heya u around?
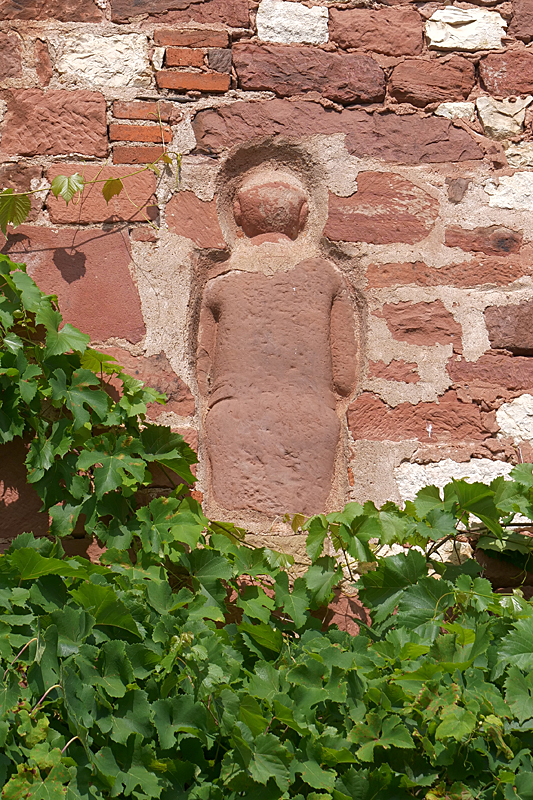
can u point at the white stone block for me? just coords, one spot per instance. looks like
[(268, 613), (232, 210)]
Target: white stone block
[(516, 418), (286, 22), (470, 29), (117, 60), (520, 155), (456, 110), (410, 478), (512, 191), (502, 119)]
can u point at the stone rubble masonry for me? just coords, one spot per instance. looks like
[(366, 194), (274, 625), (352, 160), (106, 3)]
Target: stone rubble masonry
[(135, 203), (510, 327), (423, 82), (423, 324), (188, 216), (146, 154), (288, 70), (119, 132), (397, 370), (193, 81), (478, 272), (471, 29), (62, 10), (509, 73), (234, 13), (495, 240), (385, 209), (54, 123), (521, 26), (391, 31), (148, 110), (189, 37)]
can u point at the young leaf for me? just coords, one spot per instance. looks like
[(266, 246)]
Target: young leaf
[(112, 187), (14, 209), (67, 186)]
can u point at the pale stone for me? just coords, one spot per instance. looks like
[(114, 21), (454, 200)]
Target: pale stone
[(410, 478), (158, 56), (520, 155), (286, 22), (516, 418), (502, 118), (455, 28), (512, 191), (456, 110), (92, 60)]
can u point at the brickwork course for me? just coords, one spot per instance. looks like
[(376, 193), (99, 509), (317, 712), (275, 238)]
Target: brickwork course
[(407, 130)]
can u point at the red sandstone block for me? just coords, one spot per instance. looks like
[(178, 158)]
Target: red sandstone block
[(508, 73), (151, 111), (19, 501), (422, 82), (193, 81), (189, 37), (478, 272), (399, 370), (234, 13), (92, 206), (510, 327), (136, 155), (19, 176), (422, 324), (197, 220), (521, 25), (391, 31), (495, 374), (494, 240), (63, 10), (43, 65), (184, 57), (118, 132), (10, 65)]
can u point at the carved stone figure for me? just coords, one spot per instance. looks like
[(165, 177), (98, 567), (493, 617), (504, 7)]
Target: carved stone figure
[(276, 352)]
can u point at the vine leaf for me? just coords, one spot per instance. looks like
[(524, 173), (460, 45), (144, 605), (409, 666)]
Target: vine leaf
[(14, 209), (67, 186), (112, 187)]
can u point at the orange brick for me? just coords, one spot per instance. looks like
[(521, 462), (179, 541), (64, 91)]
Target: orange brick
[(136, 155), (193, 81), (139, 109), (191, 38), (138, 133), (184, 57)]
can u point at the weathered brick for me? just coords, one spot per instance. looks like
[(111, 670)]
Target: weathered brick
[(19, 177), (287, 70), (43, 65), (495, 374), (93, 207), (89, 272), (193, 81), (391, 31), (422, 82), (149, 110), (220, 60), (494, 240), (64, 10), (184, 57), (136, 155), (19, 502), (197, 220), (234, 13), (508, 73), (511, 327), (119, 132), (54, 123), (422, 324), (386, 208), (521, 26), (398, 370), (478, 272), (188, 37), (10, 64)]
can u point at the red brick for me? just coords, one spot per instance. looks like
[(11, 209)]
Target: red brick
[(422, 324), (193, 81), (19, 502), (10, 65), (391, 31), (521, 26), (449, 420), (478, 272), (494, 240), (385, 209), (93, 208), (188, 37), (63, 10), (197, 220), (151, 111), (422, 82), (43, 65), (508, 73), (510, 327), (54, 123), (495, 374), (119, 132), (403, 139), (19, 176), (399, 370), (136, 155), (89, 272), (184, 57), (144, 234), (288, 70), (234, 13)]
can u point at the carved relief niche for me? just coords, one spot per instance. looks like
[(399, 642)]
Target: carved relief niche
[(277, 341)]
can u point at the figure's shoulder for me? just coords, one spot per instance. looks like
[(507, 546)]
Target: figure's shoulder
[(322, 269)]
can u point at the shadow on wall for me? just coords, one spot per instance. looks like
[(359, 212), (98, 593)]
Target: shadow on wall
[(19, 502)]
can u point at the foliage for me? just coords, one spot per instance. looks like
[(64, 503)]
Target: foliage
[(190, 665)]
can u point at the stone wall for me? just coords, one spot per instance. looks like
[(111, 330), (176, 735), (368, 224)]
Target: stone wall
[(404, 129)]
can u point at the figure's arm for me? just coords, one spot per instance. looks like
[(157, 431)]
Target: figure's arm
[(206, 343), (343, 343)]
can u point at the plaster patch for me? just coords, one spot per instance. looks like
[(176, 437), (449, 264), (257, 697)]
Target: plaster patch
[(502, 118), (516, 418), (470, 29), (520, 155), (456, 110), (93, 60), (340, 167), (512, 191), (287, 22), (410, 478)]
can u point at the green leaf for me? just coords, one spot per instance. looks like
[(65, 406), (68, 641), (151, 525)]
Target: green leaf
[(114, 461), (263, 635), (112, 187), (519, 693), (99, 362), (31, 565), (313, 774), (383, 587), (14, 209), (270, 760), (67, 339), (517, 646), (320, 579), (102, 603), (250, 713), (67, 186), (294, 603), (456, 723), (317, 528)]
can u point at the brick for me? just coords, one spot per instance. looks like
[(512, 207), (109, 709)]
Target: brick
[(288, 70), (511, 327), (447, 421), (478, 272), (188, 216), (391, 31), (151, 111), (136, 155), (402, 139), (423, 324), (398, 370), (220, 60), (234, 13), (494, 240), (509, 73), (496, 374), (184, 57), (386, 208), (119, 132), (422, 82), (10, 64), (63, 10), (521, 26), (43, 65), (19, 177), (193, 81), (19, 502), (54, 123), (189, 37), (93, 208)]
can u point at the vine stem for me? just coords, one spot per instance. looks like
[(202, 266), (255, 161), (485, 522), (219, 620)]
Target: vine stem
[(55, 686), (69, 743), (35, 638)]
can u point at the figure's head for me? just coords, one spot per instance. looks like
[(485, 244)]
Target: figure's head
[(272, 207)]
